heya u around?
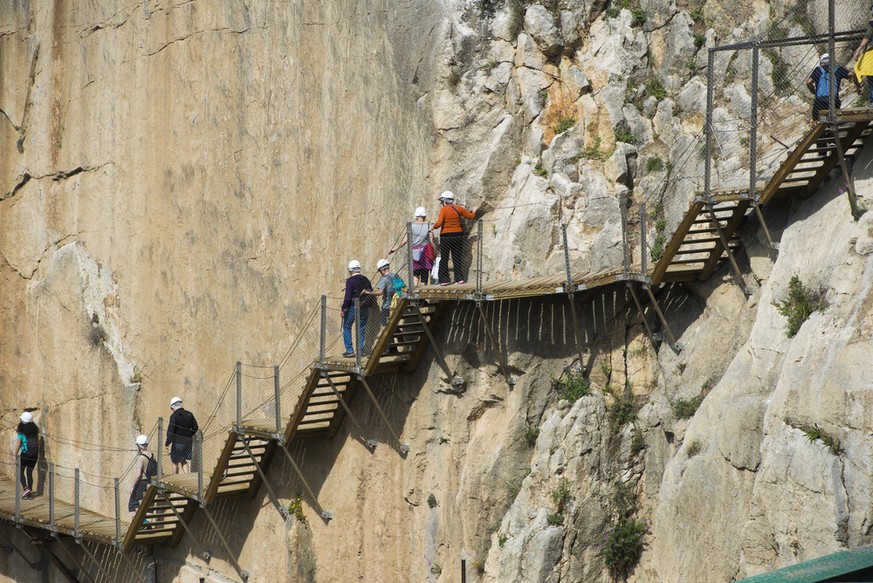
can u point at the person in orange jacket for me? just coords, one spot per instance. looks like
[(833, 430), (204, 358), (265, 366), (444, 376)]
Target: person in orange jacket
[(452, 237)]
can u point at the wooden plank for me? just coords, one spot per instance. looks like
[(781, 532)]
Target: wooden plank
[(800, 149), (675, 242), (729, 231)]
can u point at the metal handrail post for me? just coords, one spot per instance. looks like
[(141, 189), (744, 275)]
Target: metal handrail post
[(644, 254), (625, 243), (278, 403), (753, 131), (17, 488), (480, 234), (571, 296), (159, 449), (321, 346), (832, 79), (51, 492), (76, 534), (238, 395), (411, 281), (117, 515), (198, 444), (357, 344), (707, 175)]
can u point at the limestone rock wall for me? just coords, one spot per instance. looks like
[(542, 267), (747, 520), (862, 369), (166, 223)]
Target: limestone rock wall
[(180, 182)]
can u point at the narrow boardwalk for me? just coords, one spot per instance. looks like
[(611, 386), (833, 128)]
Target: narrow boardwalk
[(701, 243)]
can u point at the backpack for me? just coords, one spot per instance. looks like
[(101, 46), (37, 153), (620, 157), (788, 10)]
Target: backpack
[(822, 90), (151, 467), (398, 286)]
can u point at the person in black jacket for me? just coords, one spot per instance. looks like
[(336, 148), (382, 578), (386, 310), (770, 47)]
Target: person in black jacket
[(180, 433), (355, 284), (28, 450)]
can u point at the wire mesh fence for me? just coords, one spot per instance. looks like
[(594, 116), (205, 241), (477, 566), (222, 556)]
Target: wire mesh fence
[(761, 101)]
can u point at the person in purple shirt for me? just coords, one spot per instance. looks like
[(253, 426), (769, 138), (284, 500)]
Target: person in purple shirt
[(355, 284)]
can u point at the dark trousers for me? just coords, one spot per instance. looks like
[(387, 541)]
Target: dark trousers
[(26, 477), (452, 244)]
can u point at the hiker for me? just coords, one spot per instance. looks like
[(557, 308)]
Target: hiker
[(28, 452), (452, 237), (180, 434), (386, 288), (423, 248), (355, 284), (144, 468), (865, 66), (819, 86)]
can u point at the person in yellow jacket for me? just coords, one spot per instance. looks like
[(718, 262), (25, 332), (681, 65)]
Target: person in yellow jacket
[(863, 58)]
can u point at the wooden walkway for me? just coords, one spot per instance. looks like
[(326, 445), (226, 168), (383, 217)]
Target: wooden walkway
[(698, 247)]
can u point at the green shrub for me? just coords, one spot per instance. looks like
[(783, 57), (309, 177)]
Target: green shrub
[(686, 408), (622, 412), (699, 40), (531, 434), (802, 301), (657, 247), (640, 17), (816, 433), (697, 14), (654, 164), (502, 537), (561, 495), (613, 12), (594, 152), (555, 519), (693, 448), (638, 443), (623, 133), (295, 509), (624, 546), (656, 89), (572, 386), (564, 124), (540, 171)]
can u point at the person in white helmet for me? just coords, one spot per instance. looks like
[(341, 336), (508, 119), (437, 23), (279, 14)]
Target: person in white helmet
[(452, 237), (356, 283), (180, 435), (386, 288), (424, 249), (144, 468), (28, 452), (819, 85)]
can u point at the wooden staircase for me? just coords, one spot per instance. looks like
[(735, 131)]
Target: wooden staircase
[(318, 413), (696, 249)]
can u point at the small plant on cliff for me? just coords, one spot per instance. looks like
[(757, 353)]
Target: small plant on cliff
[(436, 569), (561, 495), (802, 301), (571, 386), (502, 537), (531, 434), (295, 509), (623, 133), (555, 519), (539, 170), (564, 124), (816, 433), (624, 546), (593, 152), (640, 17), (623, 411), (654, 164), (693, 448), (638, 443), (686, 408)]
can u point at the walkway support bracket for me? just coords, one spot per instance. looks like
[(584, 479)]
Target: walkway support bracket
[(403, 447), (282, 510), (671, 340), (244, 575), (639, 305), (456, 381), (370, 443), (501, 358), (325, 515), (184, 524), (724, 243)]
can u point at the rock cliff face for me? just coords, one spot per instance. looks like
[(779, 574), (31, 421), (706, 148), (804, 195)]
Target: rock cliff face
[(180, 182)]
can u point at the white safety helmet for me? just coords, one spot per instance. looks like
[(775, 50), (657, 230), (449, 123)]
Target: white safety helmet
[(382, 263), (175, 401), (354, 265), (26, 417), (142, 440), (420, 212), (447, 195), (825, 59)]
